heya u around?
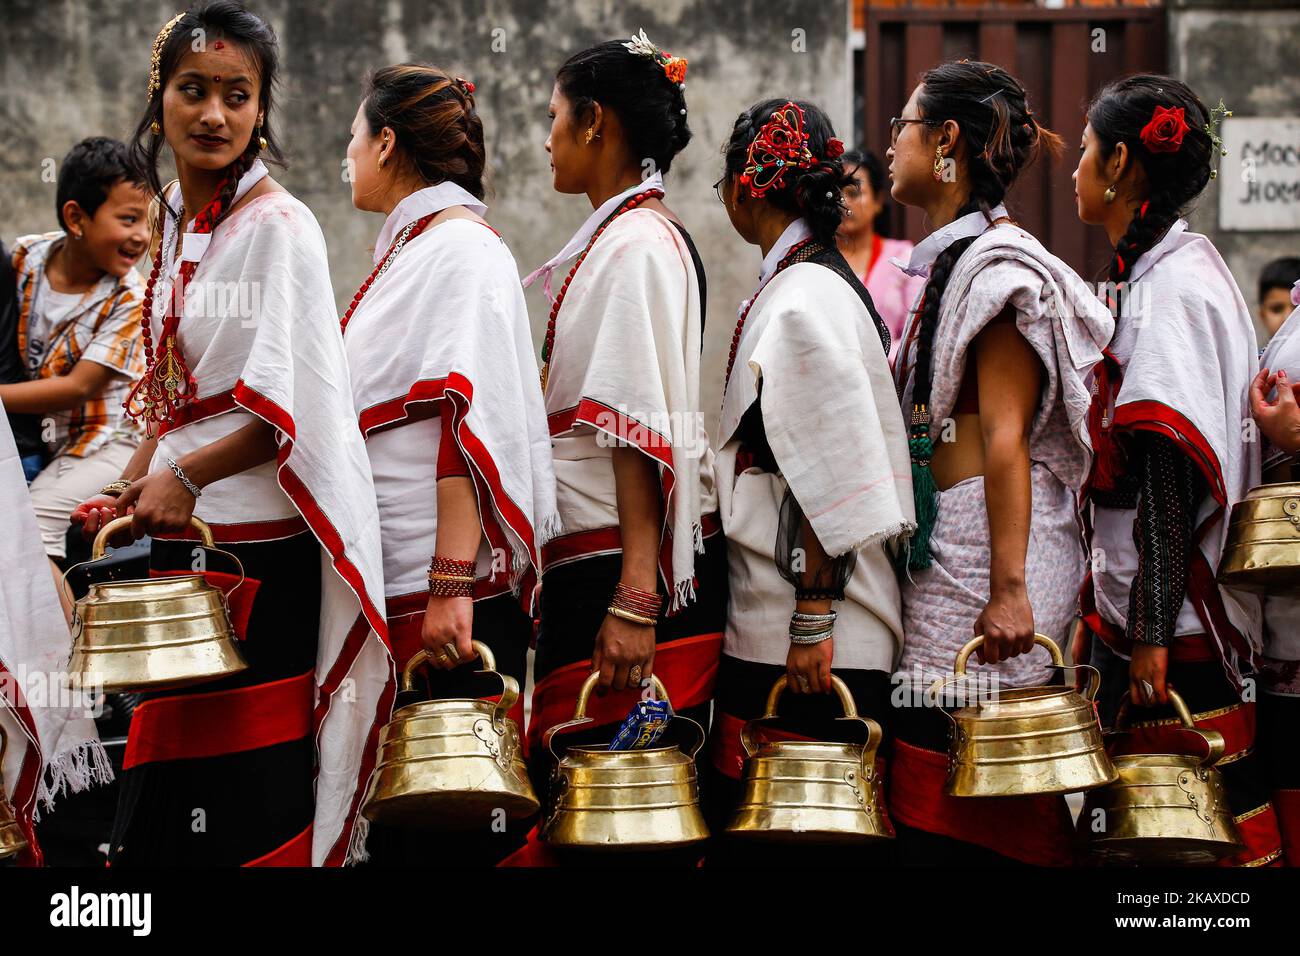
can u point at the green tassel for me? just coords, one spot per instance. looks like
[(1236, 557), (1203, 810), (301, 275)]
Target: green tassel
[(926, 496)]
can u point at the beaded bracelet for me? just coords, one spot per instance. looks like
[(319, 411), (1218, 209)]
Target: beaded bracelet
[(449, 577)]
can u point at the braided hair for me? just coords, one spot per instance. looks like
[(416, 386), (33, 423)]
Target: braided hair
[(1002, 138), (1118, 114), (650, 107), (815, 194), (439, 131), (230, 21)]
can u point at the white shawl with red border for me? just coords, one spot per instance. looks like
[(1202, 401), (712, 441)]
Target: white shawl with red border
[(284, 362), (1185, 346), (448, 319), (51, 744), (626, 364)]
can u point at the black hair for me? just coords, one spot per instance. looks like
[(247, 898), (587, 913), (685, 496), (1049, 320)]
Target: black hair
[(230, 21), (816, 194), (438, 129), (1279, 274), (869, 163), (1118, 114), (650, 107), (1002, 137), (89, 171)]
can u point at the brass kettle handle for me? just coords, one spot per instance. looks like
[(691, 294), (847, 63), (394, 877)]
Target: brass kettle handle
[(509, 686), (1214, 742), (1058, 660), (580, 713), (205, 537), (774, 696)]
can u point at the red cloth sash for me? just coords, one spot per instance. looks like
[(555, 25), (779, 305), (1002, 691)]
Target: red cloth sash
[(1035, 830), (211, 724)]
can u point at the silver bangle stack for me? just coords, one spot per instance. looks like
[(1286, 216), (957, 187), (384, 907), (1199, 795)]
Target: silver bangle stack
[(190, 486), (811, 628)]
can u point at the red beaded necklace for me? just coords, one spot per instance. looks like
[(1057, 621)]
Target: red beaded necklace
[(409, 232), (168, 385), (740, 323), (549, 344)]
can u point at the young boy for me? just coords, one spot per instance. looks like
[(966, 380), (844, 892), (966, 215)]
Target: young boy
[(79, 310), (1275, 282)]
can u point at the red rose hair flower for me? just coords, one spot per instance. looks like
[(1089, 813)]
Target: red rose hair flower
[(1164, 133)]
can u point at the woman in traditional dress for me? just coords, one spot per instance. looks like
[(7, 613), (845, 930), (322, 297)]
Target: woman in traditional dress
[(1171, 455), (992, 372), (1273, 404), (445, 386), (866, 248), (251, 429), (813, 474), (635, 585)]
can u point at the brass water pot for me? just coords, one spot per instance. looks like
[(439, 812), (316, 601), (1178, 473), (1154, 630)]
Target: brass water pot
[(1262, 553), (624, 800), (155, 633), (450, 764), (812, 791), (1164, 808), (1027, 740), (12, 840)]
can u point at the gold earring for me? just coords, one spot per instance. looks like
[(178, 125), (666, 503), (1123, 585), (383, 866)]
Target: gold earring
[(589, 135), (381, 162), (261, 140), (155, 128), (1109, 194), (938, 162)]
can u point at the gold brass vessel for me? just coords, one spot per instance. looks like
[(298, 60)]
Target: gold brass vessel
[(154, 633), (624, 800), (12, 841), (1262, 553), (450, 764), (1165, 808), (1027, 740), (812, 791)]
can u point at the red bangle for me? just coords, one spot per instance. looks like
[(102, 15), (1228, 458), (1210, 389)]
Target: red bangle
[(636, 601)]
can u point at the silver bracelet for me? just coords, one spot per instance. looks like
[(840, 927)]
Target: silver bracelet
[(190, 486), (814, 638)]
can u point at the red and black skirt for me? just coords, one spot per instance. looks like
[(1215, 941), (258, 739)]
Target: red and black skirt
[(223, 774)]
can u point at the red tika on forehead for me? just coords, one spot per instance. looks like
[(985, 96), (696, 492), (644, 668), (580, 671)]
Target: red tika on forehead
[(219, 45)]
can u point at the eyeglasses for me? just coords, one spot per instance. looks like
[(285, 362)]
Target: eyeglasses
[(717, 188), (896, 126)]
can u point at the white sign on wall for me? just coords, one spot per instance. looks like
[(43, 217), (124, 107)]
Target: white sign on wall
[(1259, 179)]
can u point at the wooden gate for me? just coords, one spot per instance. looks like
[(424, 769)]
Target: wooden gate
[(1060, 57)]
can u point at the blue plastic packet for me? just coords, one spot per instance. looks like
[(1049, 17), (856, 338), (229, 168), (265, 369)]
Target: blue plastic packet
[(643, 726)]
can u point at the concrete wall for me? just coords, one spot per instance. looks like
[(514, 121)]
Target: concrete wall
[(1249, 54), (72, 68)]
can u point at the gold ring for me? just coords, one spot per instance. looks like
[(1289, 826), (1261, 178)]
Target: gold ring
[(450, 651), (634, 674)]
